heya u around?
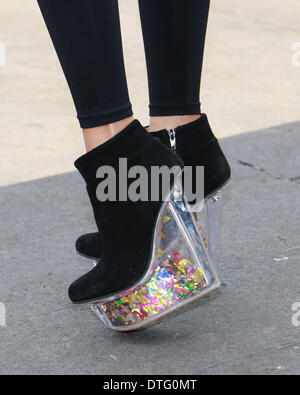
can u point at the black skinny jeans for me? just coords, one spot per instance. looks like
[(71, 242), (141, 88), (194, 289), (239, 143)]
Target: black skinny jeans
[(87, 38)]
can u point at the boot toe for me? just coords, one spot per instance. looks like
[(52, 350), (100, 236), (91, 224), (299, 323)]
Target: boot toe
[(82, 289), (91, 286), (75, 292)]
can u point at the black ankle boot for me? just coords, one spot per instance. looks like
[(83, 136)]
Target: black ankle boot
[(196, 144), (126, 227)]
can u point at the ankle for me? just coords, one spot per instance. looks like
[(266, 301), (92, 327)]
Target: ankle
[(170, 122), (93, 137)]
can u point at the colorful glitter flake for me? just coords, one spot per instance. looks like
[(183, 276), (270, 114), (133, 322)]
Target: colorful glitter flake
[(173, 277)]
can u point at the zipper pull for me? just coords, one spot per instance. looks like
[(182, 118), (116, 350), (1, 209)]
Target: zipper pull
[(172, 136)]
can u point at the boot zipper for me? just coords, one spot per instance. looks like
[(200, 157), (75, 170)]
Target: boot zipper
[(172, 136)]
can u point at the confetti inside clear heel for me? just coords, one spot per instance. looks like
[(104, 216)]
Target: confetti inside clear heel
[(180, 271), (208, 224)]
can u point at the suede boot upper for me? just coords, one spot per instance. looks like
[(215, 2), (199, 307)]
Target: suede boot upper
[(126, 227)]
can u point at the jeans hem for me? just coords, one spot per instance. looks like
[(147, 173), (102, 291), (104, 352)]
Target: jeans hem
[(100, 119)]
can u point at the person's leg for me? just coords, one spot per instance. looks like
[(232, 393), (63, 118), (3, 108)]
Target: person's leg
[(86, 35), (174, 36), (100, 134), (87, 38)]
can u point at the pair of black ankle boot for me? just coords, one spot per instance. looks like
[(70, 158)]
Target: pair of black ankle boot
[(196, 145), (126, 228)]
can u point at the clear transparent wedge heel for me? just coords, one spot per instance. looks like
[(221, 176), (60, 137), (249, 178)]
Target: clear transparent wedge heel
[(208, 224), (180, 272)]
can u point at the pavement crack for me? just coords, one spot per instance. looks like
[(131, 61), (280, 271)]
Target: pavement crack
[(243, 163), (295, 180)]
